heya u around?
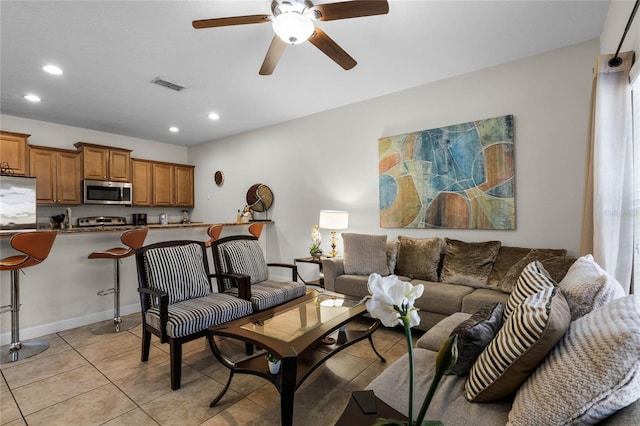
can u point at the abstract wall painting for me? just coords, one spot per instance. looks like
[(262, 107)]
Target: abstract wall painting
[(454, 177)]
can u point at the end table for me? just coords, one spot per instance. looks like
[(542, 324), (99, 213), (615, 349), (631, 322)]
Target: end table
[(309, 259)]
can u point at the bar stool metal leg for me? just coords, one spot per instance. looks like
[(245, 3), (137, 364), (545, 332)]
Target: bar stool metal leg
[(17, 350), (117, 324)]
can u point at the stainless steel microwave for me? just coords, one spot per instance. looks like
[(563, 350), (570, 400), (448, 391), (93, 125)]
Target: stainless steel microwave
[(102, 192)]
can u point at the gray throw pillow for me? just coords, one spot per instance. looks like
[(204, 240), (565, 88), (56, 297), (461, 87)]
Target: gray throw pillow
[(469, 263), (365, 254), (419, 258), (474, 335)]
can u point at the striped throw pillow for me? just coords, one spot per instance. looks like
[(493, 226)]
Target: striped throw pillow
[(530, 332), (533, 278), (178, 270), (244, 257)]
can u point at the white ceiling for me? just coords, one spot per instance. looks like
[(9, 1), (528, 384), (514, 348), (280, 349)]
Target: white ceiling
[(111, 50)]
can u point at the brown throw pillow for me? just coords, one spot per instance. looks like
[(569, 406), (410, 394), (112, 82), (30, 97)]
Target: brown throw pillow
[(419, 257), (510, 278), (474, 335), (365, 254), (468, 263)]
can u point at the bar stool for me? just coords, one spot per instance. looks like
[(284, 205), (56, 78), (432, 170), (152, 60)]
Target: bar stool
[(133, 239), (36, 247), (214, 232), (255, 229)]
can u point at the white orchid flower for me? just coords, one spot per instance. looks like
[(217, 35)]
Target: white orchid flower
[(392, 300)]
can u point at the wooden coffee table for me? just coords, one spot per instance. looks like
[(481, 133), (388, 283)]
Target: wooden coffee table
[(293, 332)]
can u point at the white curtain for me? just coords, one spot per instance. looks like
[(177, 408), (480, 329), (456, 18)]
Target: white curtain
[(607, 226)]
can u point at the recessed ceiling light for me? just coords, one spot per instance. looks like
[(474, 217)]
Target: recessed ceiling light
[(174, 129), (52, 69), (213, 116), (32, 98)]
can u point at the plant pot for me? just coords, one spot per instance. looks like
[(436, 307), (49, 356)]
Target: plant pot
[(274, 367), (316, 255)]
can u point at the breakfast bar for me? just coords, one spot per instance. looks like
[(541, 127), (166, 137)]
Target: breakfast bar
[(60, 293)]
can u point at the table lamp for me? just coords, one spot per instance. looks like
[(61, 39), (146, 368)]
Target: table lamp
[(333, 219)]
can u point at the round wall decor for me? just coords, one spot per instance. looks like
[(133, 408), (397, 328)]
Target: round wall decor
[(259, 197), (218, 177)]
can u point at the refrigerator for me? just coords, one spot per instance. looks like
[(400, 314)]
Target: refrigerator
[(17, 203)]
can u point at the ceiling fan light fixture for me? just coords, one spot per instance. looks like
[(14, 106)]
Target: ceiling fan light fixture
[(293, 27)]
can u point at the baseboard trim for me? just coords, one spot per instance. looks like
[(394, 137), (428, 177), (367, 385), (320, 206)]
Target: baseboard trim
[(67, 324)]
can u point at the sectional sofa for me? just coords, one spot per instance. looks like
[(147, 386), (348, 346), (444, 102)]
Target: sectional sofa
[(458, 276)]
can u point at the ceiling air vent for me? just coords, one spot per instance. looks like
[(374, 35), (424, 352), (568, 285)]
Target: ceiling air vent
[(167, 84)]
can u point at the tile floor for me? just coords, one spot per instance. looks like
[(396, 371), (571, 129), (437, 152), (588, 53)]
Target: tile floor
[(87, 379)]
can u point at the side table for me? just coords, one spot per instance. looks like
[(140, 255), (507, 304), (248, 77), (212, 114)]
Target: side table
[(309, 259)]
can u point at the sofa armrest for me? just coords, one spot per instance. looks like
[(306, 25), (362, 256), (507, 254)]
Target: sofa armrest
[(331, 268), (436, 335)]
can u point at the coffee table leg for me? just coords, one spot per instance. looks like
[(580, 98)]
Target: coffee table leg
[(287, 392), (225, 362), (373, 328)]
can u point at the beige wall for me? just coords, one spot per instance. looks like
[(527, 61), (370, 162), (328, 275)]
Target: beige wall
[(330, 160)]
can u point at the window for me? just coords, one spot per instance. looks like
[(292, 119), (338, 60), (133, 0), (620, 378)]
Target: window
[(635, 277)]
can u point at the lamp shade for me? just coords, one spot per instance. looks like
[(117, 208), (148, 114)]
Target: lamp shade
[(293, 27), (333, 219)]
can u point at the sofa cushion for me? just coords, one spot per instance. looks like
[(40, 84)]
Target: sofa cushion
[(509, 256), (353, 285), (480, 297), (419, 258), (448, 404), (532, 279), (526, 337), (592, 372), (365, 254), (474, 334), (178, 271), (511, 277), (441, 298), (468, 263), (191, 316), (436, 335), (587, 286)]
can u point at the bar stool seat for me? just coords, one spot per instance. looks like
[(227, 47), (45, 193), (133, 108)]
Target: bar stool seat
[(36, 247), (133, 239)]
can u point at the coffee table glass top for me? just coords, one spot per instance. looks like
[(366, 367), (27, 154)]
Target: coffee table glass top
[(292, 323)]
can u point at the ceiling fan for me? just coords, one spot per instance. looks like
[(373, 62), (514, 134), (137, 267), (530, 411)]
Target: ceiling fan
[(293, 23)]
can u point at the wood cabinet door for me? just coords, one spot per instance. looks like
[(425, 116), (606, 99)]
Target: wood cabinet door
[(43, 166), (184, 186), (119, 166), (163, 184), (13, 151), (68, 178), (142, 175), (95, 162)]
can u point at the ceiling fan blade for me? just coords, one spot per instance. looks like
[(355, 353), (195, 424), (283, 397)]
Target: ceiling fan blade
[(350, 9), (273, 56), (330, 48), (234, 20)]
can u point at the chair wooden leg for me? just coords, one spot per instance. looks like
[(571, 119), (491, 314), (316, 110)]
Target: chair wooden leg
[(175, 349), (146, 343), (248, 348)]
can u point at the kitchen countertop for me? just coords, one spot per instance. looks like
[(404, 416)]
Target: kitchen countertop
[(152, 226)]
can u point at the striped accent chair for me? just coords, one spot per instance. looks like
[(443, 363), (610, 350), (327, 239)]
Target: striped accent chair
[(242, 255), (177, 298)]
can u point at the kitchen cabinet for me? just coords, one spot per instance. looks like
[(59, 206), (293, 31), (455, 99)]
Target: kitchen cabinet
[(105, 163), (59, 175), (173, 185), (142, 175), (13, 152), (184, 186)]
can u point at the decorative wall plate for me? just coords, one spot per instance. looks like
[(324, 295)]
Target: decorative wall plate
[(259, 197), (218, 177)]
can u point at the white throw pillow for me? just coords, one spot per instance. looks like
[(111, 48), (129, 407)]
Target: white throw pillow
[(587, 286), (592, 372)]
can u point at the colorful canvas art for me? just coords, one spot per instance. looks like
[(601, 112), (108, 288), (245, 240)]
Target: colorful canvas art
[(459, 176)]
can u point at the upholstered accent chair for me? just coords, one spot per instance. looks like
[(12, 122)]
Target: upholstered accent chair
[(177, 298), (242, 255)]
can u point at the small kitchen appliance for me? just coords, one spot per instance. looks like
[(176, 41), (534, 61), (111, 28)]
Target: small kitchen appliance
[(84, 222), (139, 218)]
